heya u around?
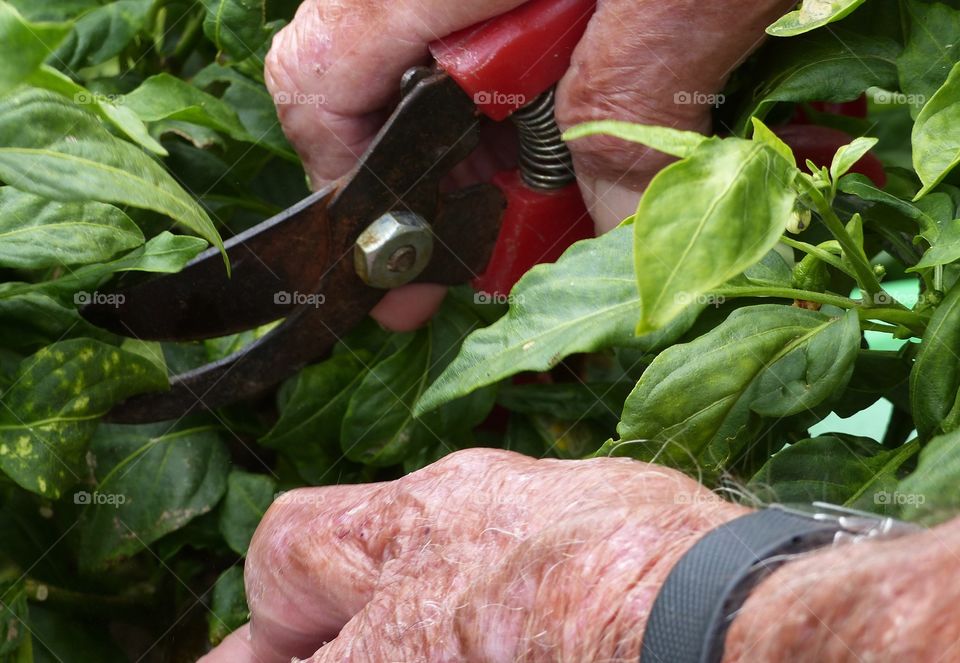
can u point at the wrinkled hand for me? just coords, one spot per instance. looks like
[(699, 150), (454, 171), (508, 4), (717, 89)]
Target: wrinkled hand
[(336, 68), (485, 555), (491, 556)]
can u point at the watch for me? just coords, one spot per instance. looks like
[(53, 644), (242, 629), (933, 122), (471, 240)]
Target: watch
[(696, 604)]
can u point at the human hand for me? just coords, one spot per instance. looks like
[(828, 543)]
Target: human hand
[(485, 555), (341, 61)]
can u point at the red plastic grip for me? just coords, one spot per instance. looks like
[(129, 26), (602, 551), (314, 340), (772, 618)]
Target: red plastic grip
[(537, 227), (508, 61)]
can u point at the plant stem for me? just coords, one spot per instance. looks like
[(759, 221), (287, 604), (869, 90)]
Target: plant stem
[(136, 597), (854, 253), (823, 255), (912, 321)]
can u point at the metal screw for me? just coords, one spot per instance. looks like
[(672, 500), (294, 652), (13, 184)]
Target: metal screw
[(393, 250)]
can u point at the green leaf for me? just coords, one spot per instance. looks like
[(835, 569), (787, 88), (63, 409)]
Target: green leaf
[(768, 361), (103, 33), (663, 139), (248, 498), (862, 186), (572, 401), (585, 301), (164, 97), (253, 104), (930, 495), (935, 378), (848, 155), (378, 425), (704, 220), (762, 134), (945, 249), (55, 149), (836, 65), (236, 27), (317, 400), (930, 49), (122, 118), (51, 411), (152, 480), (811, 15), (37, 233), (13, 617), (165, 253), (32, 320), (228, 610), (936, 137), (24, 45), (840, 469)]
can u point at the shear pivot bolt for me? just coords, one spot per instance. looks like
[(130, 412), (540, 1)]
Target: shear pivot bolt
[(393, 250)]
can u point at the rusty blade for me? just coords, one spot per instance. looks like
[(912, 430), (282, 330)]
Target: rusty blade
[(466, 230), (280, 262), (271, 262)]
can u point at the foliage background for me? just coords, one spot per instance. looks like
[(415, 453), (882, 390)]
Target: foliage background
[(131, 129)]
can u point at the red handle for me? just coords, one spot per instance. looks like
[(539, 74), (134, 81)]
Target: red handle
[(508, 61)]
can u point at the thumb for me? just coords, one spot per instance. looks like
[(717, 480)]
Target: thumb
[(660, 63)]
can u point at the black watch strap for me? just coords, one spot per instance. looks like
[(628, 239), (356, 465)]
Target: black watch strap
[(692, 612)]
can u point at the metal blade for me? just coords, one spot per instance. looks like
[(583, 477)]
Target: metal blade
[(271, 262)]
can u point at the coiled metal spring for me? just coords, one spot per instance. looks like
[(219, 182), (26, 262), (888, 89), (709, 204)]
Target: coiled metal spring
[(545, 160)]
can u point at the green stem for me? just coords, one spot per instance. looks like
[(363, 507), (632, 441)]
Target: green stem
[(823, 255), (915, 322), (139, 596), (858, 261)]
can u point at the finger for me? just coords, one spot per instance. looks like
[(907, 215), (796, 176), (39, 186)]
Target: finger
[(409, 307), (337, 66), (311, 566), (235, 648), (643, 62)]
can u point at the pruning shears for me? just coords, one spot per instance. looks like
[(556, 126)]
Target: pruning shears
[(321, 265)]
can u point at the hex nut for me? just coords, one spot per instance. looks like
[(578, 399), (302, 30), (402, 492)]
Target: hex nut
[(393, 250)]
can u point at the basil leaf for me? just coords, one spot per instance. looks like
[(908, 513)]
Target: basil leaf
[(228, 608), (929, 495), (52, 409), (24, 45), (821, 66), (840, 469), (701, 222), (860, 185), (812, 14), (248, 498), (929, 51), (253, 104), (848, 155), (762, 134), (152, 480), (935, 378), (164, 97), (936, 139), (550, 318), (663, 139), (33, 320), (54, 149), (103, 33), (235, 27), (122, 118), (767, 361), (37, 233)]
